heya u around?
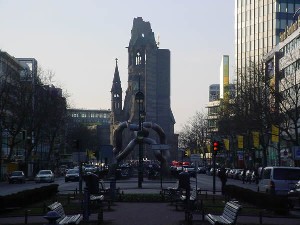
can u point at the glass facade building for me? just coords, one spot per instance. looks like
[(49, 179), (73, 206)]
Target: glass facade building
[(258, 24)]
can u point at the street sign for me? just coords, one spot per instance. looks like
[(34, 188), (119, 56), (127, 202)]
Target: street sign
[(195, 157), (160, 147)]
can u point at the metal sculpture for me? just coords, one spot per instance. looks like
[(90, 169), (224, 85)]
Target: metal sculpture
[(120, 154)]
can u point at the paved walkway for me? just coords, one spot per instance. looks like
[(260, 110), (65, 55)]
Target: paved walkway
[(125, 213)]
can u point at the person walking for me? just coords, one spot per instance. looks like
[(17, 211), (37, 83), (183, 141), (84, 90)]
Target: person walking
[(244, 175), (223, 178)]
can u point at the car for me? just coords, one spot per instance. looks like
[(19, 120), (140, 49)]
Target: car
[(278, 180), (294, 195), (201, 170), (236, 174), (90, 168), (44, 176), (72, 175), (191, 170), (16, 177)]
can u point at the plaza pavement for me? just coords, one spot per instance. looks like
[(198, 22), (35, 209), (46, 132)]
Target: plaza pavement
[(128, 213)]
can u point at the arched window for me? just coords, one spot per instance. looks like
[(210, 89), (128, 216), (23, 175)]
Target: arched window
[(138, 59)]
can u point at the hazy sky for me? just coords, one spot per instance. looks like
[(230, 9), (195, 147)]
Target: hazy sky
[(79, 40)]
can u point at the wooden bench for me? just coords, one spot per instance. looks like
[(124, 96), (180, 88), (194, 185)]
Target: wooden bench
[(172, 193), (229, 215), (64, 219)]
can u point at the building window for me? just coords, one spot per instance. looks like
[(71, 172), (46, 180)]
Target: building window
[(138, 59)]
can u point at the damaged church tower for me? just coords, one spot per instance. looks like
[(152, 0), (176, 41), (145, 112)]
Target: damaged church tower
[(149, 72)]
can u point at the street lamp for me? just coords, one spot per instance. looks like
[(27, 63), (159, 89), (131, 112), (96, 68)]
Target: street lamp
[(139, 98)]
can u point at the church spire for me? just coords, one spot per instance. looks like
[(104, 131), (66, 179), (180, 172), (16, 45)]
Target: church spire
[(116, 75), (116, 95)]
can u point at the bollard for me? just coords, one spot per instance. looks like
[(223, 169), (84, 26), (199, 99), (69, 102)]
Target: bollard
[(26, 216), (44, 207), (100, 216), (260, 217), (86, 211)]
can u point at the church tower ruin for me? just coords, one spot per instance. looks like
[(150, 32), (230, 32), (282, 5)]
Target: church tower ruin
[(148, 72)]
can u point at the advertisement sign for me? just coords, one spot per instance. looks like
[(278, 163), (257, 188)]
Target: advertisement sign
[(296, 152)]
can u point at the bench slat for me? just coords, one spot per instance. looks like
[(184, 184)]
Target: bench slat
[(229, 215), (64, 219)]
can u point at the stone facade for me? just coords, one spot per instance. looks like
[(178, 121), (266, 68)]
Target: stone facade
[(148, 72)]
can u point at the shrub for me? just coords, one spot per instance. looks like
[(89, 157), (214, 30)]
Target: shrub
[(279, 204), (27, 197)]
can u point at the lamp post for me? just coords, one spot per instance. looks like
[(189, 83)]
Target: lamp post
[(139, 98)]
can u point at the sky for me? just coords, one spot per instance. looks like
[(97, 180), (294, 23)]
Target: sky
[(78, 40)]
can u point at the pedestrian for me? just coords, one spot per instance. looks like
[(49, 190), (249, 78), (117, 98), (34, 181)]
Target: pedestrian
[(256, 177), (223, 178), (244, 175)]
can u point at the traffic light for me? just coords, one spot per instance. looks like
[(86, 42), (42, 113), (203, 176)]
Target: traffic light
[(216, 147)]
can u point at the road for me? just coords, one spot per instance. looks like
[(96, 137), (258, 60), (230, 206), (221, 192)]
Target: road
[(203, 182)]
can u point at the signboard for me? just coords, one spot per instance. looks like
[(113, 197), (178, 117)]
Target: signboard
[(160, 147), (195, 157), (296, 152)]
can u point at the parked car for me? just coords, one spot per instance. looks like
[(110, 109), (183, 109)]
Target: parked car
[(294, 195), (72, 175), (191, 170), (247, 176), (236, 173), (16, 177), (278, 180), (202, 170), (230, 173), (44, 176), (90, 168)]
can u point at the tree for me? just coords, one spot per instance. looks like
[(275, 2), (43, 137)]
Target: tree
[(31, 106), (194, 134), (249, 111)]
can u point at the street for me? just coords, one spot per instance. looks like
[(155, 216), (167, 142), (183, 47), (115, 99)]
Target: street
[(204, 182)]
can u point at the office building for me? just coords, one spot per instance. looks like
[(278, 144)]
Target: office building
[(258, 24), (219, 94), (282, 70)]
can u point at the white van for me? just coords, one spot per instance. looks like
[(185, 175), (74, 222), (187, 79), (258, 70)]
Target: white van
[(278, 180)]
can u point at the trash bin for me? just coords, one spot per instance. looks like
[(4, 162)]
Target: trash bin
[(92, 183)]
